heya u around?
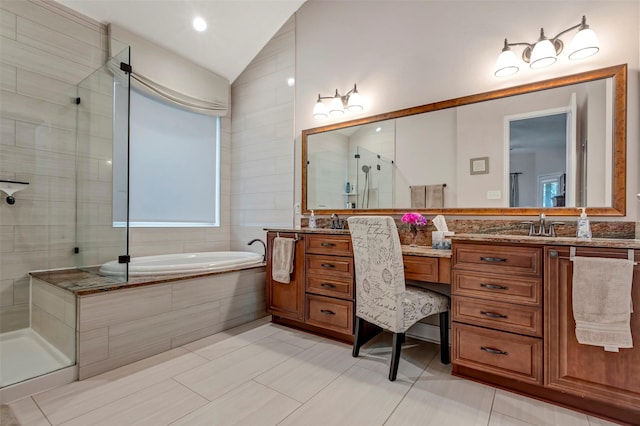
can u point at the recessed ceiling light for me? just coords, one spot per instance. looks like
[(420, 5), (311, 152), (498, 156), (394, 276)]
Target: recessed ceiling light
[(378, 129), (291, 81), (199, 24)]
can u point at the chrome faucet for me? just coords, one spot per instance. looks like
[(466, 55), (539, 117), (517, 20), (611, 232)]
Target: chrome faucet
[(542, 230), (336, 223), (258, 240)]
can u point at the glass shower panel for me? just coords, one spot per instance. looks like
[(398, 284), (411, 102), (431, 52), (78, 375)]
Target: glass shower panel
[(102, 165), (375, 178)]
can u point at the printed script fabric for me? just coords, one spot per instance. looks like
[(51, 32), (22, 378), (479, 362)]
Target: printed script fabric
[(381, 295)]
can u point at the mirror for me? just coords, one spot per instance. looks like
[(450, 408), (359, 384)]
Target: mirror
[(548, 146)]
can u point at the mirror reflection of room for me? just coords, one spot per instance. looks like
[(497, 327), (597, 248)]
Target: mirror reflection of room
[(543, 149)]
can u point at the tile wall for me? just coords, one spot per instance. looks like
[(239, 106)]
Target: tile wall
[(45, 50), (263, 141)]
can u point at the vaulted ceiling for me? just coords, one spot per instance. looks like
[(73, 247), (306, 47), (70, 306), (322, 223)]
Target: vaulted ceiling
[(237, 29)]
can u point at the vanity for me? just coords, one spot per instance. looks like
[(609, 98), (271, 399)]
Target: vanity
[(511, 295), (320, 296), (513, 324), (511, 311)]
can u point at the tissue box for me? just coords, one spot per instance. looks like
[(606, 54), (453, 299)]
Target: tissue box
[(440, 241)]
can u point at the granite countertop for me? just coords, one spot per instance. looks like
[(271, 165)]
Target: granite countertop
[(559, 241), (89, 281), (311, 230), (425, 251)]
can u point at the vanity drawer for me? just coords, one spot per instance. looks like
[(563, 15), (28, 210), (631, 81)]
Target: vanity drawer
[(332, 314), (334, 266), (498, 352), (330, 286), (497, 315), (498, 259), (337, 245), (420, 268), (501, 288)]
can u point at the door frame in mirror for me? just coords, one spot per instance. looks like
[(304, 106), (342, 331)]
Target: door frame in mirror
[(619, 190)]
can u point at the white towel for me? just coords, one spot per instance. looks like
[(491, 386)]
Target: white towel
[(434, 196), (282, 259), (418, 196), (602, 301)]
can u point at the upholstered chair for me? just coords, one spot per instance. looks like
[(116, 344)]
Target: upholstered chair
[(382, 298)]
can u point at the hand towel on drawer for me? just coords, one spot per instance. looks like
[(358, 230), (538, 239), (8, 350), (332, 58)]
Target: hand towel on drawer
[(282, 259), (602, 301)]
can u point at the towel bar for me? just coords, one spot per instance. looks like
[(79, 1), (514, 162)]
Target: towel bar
[(294, 238), (630, 255)]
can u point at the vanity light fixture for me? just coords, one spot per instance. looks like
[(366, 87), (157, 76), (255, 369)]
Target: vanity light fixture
[(10, 187), (545, 51), (350, 101)]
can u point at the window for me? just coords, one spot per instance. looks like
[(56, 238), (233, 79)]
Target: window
[(174, 177)]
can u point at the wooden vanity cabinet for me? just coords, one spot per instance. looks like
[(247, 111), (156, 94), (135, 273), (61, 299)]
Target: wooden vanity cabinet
[(496, 310), (329, 297), (286, 300), (320, 296), (606, 381)]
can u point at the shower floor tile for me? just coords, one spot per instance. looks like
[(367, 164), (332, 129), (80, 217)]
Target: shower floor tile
[(24, 355)]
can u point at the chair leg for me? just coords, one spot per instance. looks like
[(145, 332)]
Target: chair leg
[(445, 356), (398, 340), (358, 339)]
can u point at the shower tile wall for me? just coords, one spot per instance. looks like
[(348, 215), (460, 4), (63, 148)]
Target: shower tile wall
[(263, 141), (44, 52)]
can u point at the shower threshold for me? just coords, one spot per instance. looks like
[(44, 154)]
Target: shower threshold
[(24, 354)]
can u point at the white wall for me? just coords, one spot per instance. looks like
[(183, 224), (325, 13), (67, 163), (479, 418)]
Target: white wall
[(403, 54), (262, 151)]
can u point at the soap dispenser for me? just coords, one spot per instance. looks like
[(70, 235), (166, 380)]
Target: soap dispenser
[(312, 220), (584, 228)]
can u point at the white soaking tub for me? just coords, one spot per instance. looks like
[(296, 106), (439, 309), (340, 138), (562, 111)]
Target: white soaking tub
[(184, 263)]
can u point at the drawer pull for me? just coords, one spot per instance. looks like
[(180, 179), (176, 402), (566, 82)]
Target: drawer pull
[(493, 351), (327, 285), (328, 265), (327, 311), (492, 314), (327, 245), (493, 259), (494, 287)]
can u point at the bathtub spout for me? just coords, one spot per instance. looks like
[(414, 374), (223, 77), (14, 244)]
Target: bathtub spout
[(264, 257)]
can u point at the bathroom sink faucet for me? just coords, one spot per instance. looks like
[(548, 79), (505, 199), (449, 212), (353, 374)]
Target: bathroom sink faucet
[(542, 230), (258, 240), (336, 223)]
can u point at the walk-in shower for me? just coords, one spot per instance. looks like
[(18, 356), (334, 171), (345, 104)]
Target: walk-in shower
[(38, 333)]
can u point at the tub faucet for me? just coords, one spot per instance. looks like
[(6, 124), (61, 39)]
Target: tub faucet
[(264, 246)]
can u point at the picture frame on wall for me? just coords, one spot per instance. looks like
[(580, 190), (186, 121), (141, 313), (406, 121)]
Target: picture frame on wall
[(479, 166)]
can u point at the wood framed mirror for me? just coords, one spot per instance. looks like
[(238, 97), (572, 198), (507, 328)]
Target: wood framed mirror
[(473, 146)]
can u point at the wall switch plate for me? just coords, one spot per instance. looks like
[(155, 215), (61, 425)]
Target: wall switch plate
[(494, 195), (296, 208)]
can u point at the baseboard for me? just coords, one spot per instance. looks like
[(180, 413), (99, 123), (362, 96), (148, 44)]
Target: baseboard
[(38, 384)]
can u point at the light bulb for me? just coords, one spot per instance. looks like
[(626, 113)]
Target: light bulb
[(584, 44), (543, 54), (507, 64)]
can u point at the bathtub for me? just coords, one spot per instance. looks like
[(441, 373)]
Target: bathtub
[(184, 263)]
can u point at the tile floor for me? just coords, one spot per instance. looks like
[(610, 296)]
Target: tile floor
[(265, 374)]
